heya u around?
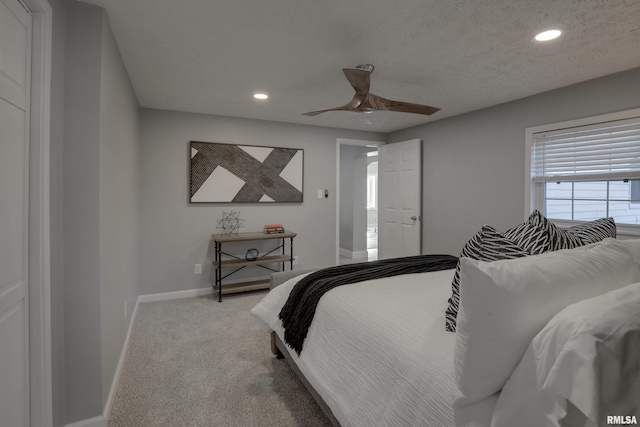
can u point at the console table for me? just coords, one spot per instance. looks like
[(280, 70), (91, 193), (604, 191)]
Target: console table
[(240, 263)]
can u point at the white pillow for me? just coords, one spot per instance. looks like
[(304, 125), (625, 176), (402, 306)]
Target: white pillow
[(585, 358), (634, 246), (504, 304)]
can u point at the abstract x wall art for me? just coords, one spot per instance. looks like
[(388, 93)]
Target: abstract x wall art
[(229, 173)]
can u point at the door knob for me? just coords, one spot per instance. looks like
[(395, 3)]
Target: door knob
[(415, 218)]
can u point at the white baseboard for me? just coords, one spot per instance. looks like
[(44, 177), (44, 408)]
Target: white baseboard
[(174, 295), (345, 253), (102, 420), (116, 377), (99, 421), (196, 292)]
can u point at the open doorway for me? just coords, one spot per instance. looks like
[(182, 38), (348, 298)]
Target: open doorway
[(357, 207), (372, 205)]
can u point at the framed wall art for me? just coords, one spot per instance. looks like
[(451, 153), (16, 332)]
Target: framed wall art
[(230, 173)]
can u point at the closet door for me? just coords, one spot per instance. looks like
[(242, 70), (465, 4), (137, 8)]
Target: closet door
[(15, 41)]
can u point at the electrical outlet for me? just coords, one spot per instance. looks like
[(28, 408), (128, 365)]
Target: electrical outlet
[(197, 269), (295, 260)]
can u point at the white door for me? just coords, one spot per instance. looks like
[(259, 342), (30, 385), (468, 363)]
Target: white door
[(400, 199), (15, 33)]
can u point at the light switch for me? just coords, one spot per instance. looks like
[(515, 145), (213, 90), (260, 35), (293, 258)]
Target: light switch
[(320, 194)]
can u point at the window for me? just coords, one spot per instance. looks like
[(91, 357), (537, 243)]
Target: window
[(586, 169), (585, 201)]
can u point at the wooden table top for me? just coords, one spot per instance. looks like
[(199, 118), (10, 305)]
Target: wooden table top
[(255, 235)]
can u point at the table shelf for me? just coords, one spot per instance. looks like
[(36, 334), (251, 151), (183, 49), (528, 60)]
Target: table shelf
[(256, 285), (260, 261), (240, 263)]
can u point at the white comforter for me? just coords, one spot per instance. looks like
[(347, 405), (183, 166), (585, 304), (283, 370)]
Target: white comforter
[(377, 351)]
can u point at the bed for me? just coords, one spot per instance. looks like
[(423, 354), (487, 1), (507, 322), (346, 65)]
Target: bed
[(377, 352), (392, 362)]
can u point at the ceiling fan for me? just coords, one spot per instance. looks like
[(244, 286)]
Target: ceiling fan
[(364, 101)]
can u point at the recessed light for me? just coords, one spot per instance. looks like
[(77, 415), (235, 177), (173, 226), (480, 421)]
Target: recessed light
[(260, 95), (548, 35)]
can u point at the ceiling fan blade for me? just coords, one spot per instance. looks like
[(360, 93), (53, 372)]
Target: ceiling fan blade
[(380, 103), (359, 79), (353, 104), (315, 113)]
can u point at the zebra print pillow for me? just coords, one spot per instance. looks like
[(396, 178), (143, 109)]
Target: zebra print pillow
[(561, 238), (487, 245), (594, 231), (530, 236), (577, 235)]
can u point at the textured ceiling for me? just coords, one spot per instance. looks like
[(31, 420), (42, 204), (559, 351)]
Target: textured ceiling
[(459, 55)]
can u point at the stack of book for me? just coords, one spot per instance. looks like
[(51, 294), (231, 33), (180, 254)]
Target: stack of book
[(273, 228)]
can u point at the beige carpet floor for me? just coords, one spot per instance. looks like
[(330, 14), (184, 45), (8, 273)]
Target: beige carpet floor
[(196, 362)]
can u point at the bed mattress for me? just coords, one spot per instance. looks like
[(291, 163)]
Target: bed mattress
[(377, 352)]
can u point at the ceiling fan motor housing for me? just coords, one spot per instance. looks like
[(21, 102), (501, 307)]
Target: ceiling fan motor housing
[(368, 67)]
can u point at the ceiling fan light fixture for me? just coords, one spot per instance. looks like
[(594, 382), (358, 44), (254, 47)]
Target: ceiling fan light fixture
[(548, 35), (260, 96)]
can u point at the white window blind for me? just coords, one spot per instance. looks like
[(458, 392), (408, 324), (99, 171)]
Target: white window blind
[(603, 151)]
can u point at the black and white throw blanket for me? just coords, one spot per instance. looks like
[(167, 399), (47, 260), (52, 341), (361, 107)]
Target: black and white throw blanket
[(298, 311)]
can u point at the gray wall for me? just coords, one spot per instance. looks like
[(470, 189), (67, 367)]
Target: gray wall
[(473, 164), (175, 235), (100, 212), (83, 359), (119, 193), (346, 196)]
